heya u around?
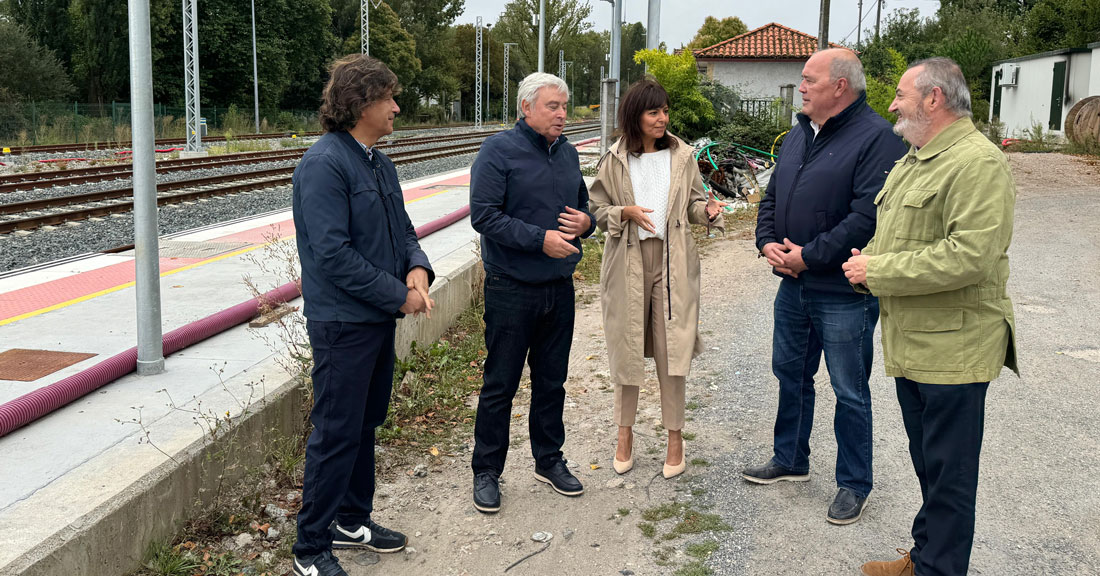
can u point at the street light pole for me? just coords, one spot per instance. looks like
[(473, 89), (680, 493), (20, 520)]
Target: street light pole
[(542, 35), (255, 74)]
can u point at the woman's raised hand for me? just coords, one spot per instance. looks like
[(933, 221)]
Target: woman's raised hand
[(714, 206), (637, 214)]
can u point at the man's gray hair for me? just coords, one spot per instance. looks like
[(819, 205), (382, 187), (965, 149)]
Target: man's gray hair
[(946, 74), (851, 70), (529, 87)]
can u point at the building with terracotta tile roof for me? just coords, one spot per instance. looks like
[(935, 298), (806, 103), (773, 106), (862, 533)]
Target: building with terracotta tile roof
[(757, 63)]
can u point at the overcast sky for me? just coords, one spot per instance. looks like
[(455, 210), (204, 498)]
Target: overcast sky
[(680, 19)]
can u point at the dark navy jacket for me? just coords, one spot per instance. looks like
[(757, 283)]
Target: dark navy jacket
[(821, 195), (355, 240), (518, 186)]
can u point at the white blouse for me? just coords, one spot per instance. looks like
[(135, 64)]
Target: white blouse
[(650, 175)]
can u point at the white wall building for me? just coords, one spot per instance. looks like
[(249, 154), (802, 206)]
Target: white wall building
[(1041, 88), (757, 63)]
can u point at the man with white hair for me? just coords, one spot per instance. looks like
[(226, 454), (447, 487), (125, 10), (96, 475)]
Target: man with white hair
[(529, 202), (817, 207), (939, 264)]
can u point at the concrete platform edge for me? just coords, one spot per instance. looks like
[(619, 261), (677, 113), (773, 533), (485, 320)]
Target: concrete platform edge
[(112, 538)]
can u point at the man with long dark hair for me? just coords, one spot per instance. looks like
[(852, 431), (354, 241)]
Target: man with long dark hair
[(362, 268)]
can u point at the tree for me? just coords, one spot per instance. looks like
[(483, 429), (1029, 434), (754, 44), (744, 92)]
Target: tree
[(31, 71), (565, 20), (1059, 24), (46, 22), (691, 114), (714, 31), (429, 22), (883, 68), (100, 50)]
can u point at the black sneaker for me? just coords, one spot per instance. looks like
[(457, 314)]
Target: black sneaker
[(487, 493), (771, 473), (323, 564), (370, 536), (559, 477), (846, 508)]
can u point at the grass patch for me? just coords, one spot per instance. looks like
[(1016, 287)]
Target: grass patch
[(588, 269), (161, 559), (432, 384), (663, 555), (696, 522), (702, 550), (693, 405), (695, 568), (689, 436), (697, 492), (648, 530), (664, 511), (699, 462), (624, 511)]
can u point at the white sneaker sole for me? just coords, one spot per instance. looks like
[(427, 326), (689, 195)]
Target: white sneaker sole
[(337, 545), (542, 478)]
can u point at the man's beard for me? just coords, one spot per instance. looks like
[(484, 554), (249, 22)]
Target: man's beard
[(913, 128)]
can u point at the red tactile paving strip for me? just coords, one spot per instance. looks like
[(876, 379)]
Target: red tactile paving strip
[(24, 365)]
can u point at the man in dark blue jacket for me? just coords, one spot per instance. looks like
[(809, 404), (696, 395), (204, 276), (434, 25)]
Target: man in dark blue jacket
[(529, 202), (362, 268), (819, 205)]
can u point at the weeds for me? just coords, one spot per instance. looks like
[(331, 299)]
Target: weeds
[(695, 568), (161, 559), (588, 269), (703, 550)]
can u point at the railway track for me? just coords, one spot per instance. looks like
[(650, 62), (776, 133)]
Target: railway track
[(76, 207), (34, 180)]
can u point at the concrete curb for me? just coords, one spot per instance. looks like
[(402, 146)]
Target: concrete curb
[(112, 537)]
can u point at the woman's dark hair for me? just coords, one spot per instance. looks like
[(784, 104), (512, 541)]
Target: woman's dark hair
[(355, 82), (644, 95)]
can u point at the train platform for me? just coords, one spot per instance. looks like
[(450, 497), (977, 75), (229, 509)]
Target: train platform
[(108, 457)]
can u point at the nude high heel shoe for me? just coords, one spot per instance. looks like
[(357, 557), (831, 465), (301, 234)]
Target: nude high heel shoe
[(624, 467), (673, 471)]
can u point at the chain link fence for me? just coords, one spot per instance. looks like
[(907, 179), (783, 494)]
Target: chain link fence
[(32, 123)]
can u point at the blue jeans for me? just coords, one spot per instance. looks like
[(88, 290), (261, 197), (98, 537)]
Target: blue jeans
[(532, 323), (808, 322)]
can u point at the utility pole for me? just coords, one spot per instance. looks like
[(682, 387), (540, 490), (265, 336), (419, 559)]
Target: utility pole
[(488, 70), (542, 35), (859, 25), (150, 345), (878, 18), (191, 74), (653, 26), (364, 27), (504, 115), (561, 64), (255, 74), (477, 79), (823, 28)]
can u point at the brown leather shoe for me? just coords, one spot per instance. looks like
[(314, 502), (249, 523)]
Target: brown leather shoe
[(901, 567)]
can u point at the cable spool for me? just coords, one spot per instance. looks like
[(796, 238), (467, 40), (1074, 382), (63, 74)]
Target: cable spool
[(1083, 122)]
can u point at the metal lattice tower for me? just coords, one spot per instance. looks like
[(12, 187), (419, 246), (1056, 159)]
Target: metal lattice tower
[(561, 64), (504, 115), (191, 74), (477, 80), (364, 26)]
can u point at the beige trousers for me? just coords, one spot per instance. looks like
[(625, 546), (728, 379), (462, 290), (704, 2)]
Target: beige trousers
[(672, 387)]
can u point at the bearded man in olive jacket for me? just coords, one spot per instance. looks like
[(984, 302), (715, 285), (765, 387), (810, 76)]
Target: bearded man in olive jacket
[(938, 263)]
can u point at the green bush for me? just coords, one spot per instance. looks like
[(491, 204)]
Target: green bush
[(748, 130)]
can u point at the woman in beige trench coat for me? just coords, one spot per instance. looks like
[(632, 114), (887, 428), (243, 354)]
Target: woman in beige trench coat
[(647, 192)]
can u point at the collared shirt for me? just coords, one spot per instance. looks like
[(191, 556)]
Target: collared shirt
[(368, 149)]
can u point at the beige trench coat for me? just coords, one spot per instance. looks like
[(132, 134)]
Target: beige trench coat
[(621, 272)]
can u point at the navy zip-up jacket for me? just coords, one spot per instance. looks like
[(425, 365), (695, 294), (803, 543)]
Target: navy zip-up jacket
[(518, 186), (821, 195), (355, 240)]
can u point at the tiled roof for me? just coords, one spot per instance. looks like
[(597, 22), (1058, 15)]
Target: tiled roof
[(770, 41)]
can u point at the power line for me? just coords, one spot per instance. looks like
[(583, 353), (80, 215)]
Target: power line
[(848, 35)]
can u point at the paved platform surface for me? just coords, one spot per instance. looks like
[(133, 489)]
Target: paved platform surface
[(64, 465)]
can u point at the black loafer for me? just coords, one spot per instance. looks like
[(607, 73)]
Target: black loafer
[(771, 473), (559, 477), (487, 493), (846, 508)]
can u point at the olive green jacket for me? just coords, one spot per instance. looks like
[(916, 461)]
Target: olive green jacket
[(939, 263)]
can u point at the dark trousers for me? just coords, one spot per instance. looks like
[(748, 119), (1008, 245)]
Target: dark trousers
[(945, 424), (532, 322), (808, 322), (352, 379)]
